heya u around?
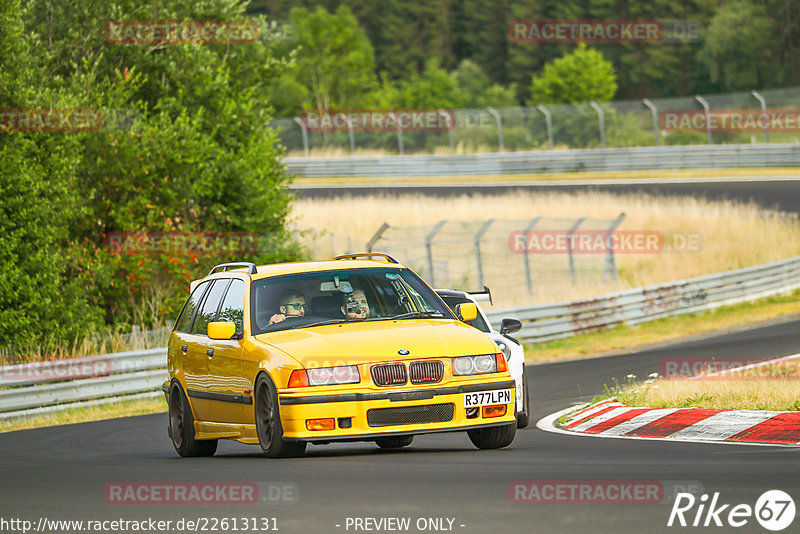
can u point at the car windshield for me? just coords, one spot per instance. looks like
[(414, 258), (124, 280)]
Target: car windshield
[(477, 322), (342, 295)]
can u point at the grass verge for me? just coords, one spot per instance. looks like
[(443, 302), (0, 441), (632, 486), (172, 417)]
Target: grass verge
[(625, 337), (90, 413)]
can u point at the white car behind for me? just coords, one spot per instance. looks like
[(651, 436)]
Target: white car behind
[(512, 349)]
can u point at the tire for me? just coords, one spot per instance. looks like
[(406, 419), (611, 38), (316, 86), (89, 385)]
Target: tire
[(394, 443), (495, 437), (181, 426), (523, 417), (268, 423)]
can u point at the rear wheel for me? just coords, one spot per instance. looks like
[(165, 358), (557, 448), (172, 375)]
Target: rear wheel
[(523, 417), (494, 437), (394, 443), (181, 426), (268, 423)]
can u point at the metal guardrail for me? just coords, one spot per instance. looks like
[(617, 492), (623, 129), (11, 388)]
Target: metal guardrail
[(564, 319), (56, 385), (43, 387), (550, 161)]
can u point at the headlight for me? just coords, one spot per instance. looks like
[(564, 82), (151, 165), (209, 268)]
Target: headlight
[(325, 376), (475, 365)]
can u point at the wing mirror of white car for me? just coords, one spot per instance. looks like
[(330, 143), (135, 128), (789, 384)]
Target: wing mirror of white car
[(509, 326)]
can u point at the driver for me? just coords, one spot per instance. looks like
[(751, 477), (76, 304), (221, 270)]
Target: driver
[(293, 303), (356, 305)]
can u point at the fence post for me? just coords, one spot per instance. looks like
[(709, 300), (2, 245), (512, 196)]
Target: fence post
[(611, 266), (601, 121), (305, 134), (378, 234), (549, 121), (450, 127), (569, 248), (708, 121), (525, 254), (429, 250), (763, 112), (499, 121), (399, 132), (350, 133), (478, 237), (654, 110)]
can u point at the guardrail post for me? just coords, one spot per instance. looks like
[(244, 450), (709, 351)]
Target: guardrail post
[(378, 234), (654, 111), (601, 121), (499, 121), (429, 249), (549, 121), (450, 127), (708, 113), (763, 112), (399, 132), (525, 255), (610, 268), (478, 237), (569, 248), (305, 134)]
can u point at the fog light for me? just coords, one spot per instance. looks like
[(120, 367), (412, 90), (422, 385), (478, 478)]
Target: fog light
[(320, 424), (495, 410), (345, 422)]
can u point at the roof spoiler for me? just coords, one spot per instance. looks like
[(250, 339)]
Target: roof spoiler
[(484, 295)]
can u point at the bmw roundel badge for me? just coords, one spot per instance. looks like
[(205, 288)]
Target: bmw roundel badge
[(402, 352)]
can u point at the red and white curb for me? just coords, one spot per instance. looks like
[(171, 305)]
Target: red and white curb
[(613, 419)]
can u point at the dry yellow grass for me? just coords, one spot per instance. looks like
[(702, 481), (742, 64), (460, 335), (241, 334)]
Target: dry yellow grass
[(779, 395), (735, 235)]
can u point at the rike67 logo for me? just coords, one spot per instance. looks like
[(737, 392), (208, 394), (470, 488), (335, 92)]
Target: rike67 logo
[(774, 510)]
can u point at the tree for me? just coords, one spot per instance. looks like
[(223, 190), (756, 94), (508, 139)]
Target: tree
[(581, 76), (432, 89)]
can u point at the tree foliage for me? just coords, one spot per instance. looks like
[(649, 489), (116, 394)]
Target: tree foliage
[(581, 76)]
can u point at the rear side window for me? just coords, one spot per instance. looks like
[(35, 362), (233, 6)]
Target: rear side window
[(208, 309), (184, 322), (232, 308)]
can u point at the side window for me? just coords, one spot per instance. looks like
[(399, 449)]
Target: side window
[(208, 309), (233, 306), (184, 322)]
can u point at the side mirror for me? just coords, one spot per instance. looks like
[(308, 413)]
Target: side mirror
[(466, 311), (221, 330), (509, 326)]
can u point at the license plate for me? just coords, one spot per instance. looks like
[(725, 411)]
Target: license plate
[(482, 398)]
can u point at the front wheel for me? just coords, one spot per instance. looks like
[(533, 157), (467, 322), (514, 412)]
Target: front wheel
[(268, 423), (494, 437), (394, 443), (181, 426)]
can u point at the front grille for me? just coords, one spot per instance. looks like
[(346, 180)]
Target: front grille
[(411, 415), (389, 374), (426, 372)]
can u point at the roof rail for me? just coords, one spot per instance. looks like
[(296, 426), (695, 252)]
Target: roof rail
[(366, 254), (251, 267)]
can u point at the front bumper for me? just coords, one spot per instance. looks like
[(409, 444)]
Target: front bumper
[(365, 415)]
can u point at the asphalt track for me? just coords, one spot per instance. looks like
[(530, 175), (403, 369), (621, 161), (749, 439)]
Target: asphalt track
[(61, 472), (778, 194)]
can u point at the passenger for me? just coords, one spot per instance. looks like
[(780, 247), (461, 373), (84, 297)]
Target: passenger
[(356, 305)]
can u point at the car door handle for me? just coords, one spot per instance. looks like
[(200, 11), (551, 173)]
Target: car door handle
[(210, 352), (184, 347)]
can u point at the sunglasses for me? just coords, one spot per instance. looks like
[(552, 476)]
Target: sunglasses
[(295, 305)]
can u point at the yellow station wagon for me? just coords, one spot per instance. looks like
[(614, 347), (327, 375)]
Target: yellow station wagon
[(349, 349)]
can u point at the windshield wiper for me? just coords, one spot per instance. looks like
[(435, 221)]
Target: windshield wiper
[(415, 314), (318, 323)]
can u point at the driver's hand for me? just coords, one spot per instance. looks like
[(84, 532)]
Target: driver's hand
[(277, 318)]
